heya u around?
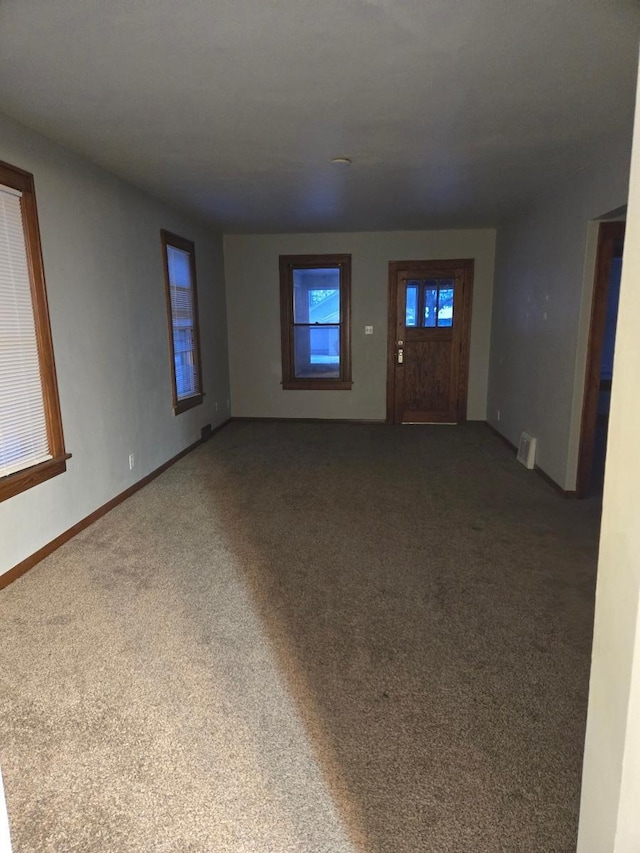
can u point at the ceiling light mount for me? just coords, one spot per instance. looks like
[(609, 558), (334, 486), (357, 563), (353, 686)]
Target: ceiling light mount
[(343, 162)]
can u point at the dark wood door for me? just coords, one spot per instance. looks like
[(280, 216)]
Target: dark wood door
[(599, 376), (429, 331)]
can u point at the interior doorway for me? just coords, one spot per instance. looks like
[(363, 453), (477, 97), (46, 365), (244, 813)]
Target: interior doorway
[(599, 372), (428, 346)]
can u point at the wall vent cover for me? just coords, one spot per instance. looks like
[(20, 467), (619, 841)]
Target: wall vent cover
[(527, 450)]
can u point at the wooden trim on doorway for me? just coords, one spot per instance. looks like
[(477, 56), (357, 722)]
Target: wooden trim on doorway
[(432, 266), (610, 235)]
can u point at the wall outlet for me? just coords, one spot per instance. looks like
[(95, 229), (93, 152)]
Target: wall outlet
[(368, 330), (498, 414), (132, 461)]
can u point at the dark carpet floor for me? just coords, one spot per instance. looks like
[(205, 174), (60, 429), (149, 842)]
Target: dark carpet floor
[(308, 637)]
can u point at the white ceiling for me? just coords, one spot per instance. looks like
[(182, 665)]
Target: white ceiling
[(453, 111)]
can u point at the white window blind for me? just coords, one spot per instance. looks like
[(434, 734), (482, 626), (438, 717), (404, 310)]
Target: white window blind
[(23, 426), (183, 323)]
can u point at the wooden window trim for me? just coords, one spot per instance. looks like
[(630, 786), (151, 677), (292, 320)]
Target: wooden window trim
[(169, 239), (287, 264), (20, 481)]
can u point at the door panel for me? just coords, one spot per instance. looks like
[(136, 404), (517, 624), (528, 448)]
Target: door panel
[(426, 383), (429, 325)]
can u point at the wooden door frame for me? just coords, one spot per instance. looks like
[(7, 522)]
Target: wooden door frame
[(467, 264), (609, 234)]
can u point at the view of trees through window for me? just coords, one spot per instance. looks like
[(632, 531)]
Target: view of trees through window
[(429, 303)]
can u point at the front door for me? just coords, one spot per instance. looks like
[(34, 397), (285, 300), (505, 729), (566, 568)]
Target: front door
[(429, 331)]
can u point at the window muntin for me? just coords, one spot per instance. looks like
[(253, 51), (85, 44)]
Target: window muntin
[(182, 311), (315, 311), (31, 439)]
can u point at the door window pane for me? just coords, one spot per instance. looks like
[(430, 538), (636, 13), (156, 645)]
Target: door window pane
[(430, 306), (445, 306), (411, 312), (438, 303)]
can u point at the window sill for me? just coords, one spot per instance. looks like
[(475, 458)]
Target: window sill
[(317, 385), (29, 477), (189, 403)]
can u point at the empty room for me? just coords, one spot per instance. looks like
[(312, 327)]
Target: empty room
[(318, 408)]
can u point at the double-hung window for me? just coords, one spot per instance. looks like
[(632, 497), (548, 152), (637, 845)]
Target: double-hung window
[(315, 310), (182, 311), (31, 439)]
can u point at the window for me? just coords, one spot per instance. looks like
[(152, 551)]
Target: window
[(31, 440), (436, 298), (315, 306), (182, 311)]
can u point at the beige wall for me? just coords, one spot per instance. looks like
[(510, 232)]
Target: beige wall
[(610, 808), (251, 264), (103, 266), (544, 275)]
